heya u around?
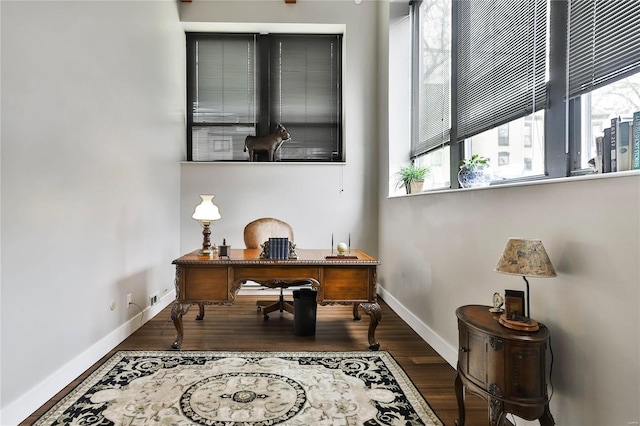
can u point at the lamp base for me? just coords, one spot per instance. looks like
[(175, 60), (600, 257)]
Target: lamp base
[(208, 251), (530, 326)]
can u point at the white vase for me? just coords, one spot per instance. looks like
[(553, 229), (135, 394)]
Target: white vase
[(474, 177)]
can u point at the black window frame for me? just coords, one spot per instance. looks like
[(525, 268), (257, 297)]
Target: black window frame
[(264, 122), (561, 135)]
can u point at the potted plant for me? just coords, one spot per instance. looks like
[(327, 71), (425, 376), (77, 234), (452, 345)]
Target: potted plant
[(474, 172), (411, 177)]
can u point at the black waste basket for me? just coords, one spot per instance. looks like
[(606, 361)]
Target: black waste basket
[(304, 312)]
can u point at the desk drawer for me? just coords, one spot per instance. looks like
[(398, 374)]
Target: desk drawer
[(275, 273), (346, 284), (206, 284)]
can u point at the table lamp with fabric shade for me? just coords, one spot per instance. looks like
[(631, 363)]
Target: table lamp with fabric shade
[(527, 258), (205, 213)]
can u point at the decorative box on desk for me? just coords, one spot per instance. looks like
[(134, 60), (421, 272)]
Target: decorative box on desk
[(506, 367)]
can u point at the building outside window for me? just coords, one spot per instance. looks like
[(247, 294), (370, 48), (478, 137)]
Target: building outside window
[(503, 135), (503, 158)]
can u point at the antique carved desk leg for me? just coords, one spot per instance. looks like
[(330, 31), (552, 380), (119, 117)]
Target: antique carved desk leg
[(200, 316), (460, 397), (177, 311), (374, 312)]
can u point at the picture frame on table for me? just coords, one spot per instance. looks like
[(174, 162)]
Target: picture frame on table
[(514, 304)]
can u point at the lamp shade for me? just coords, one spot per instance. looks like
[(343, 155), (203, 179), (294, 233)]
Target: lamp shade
[(206, 211), (526, 257)]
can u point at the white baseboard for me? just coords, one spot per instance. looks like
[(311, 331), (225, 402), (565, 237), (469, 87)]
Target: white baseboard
[(444, 349), (20, 409)]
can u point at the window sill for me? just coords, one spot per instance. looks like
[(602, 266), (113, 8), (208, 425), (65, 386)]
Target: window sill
[(597, 176)]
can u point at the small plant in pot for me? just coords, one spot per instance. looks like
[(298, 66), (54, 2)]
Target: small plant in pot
[(474, 172), (411, 177)]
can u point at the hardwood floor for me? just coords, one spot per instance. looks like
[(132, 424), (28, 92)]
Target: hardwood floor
[(239, 327)]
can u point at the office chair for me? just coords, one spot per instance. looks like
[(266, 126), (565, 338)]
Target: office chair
[(255, 234)]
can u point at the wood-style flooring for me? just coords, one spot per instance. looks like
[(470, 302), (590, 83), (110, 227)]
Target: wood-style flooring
[(241, 328)]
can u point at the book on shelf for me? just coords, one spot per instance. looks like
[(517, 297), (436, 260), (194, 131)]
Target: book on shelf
[(599, 148), (635, 141), (623, 157), (606, 151), (615, 126)]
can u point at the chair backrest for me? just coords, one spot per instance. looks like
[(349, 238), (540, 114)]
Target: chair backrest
[(259, 231)]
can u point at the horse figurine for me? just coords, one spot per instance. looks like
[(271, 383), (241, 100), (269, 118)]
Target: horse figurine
[(270, 143)]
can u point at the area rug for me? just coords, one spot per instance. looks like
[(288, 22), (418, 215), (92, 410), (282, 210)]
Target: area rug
[(244, 388)]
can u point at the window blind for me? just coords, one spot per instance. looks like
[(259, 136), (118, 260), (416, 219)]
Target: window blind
[(604, 36), (305, 94), (222, 92), (432, 63), (225, 81), (501, 62)]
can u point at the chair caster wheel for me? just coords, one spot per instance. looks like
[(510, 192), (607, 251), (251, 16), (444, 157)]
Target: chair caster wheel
[(266, 317), (259, 308)]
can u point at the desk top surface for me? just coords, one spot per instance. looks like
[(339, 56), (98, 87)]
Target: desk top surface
[(252, 256)]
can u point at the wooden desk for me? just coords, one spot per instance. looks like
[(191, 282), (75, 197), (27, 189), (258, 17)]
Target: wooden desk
[(504, 366), (207, 280)]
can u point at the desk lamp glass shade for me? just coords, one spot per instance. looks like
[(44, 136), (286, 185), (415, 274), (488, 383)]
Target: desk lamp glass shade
[(205, 213), (525, 257)]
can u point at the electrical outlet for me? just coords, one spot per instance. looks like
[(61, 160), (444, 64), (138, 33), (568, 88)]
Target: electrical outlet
[(153, 299), (128, 299)]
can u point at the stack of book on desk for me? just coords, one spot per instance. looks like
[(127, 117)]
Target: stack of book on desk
[(278, 248)]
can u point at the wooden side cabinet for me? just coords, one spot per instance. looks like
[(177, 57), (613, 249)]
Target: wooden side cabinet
[(505, 367)]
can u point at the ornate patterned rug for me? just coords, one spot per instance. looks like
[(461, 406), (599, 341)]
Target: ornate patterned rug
[(244, 388)]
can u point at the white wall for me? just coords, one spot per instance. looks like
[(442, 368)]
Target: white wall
[(92, 136), (438, 252), (317, 199)]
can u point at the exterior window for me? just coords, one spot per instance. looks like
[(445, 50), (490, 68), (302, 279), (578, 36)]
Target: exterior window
[(503, 158), (603, 80), (513, 66), (620, 99), (525, 141), (431, 81), (503, 135), (247, 84), (527, 163), (438, 162), (528, 133)]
